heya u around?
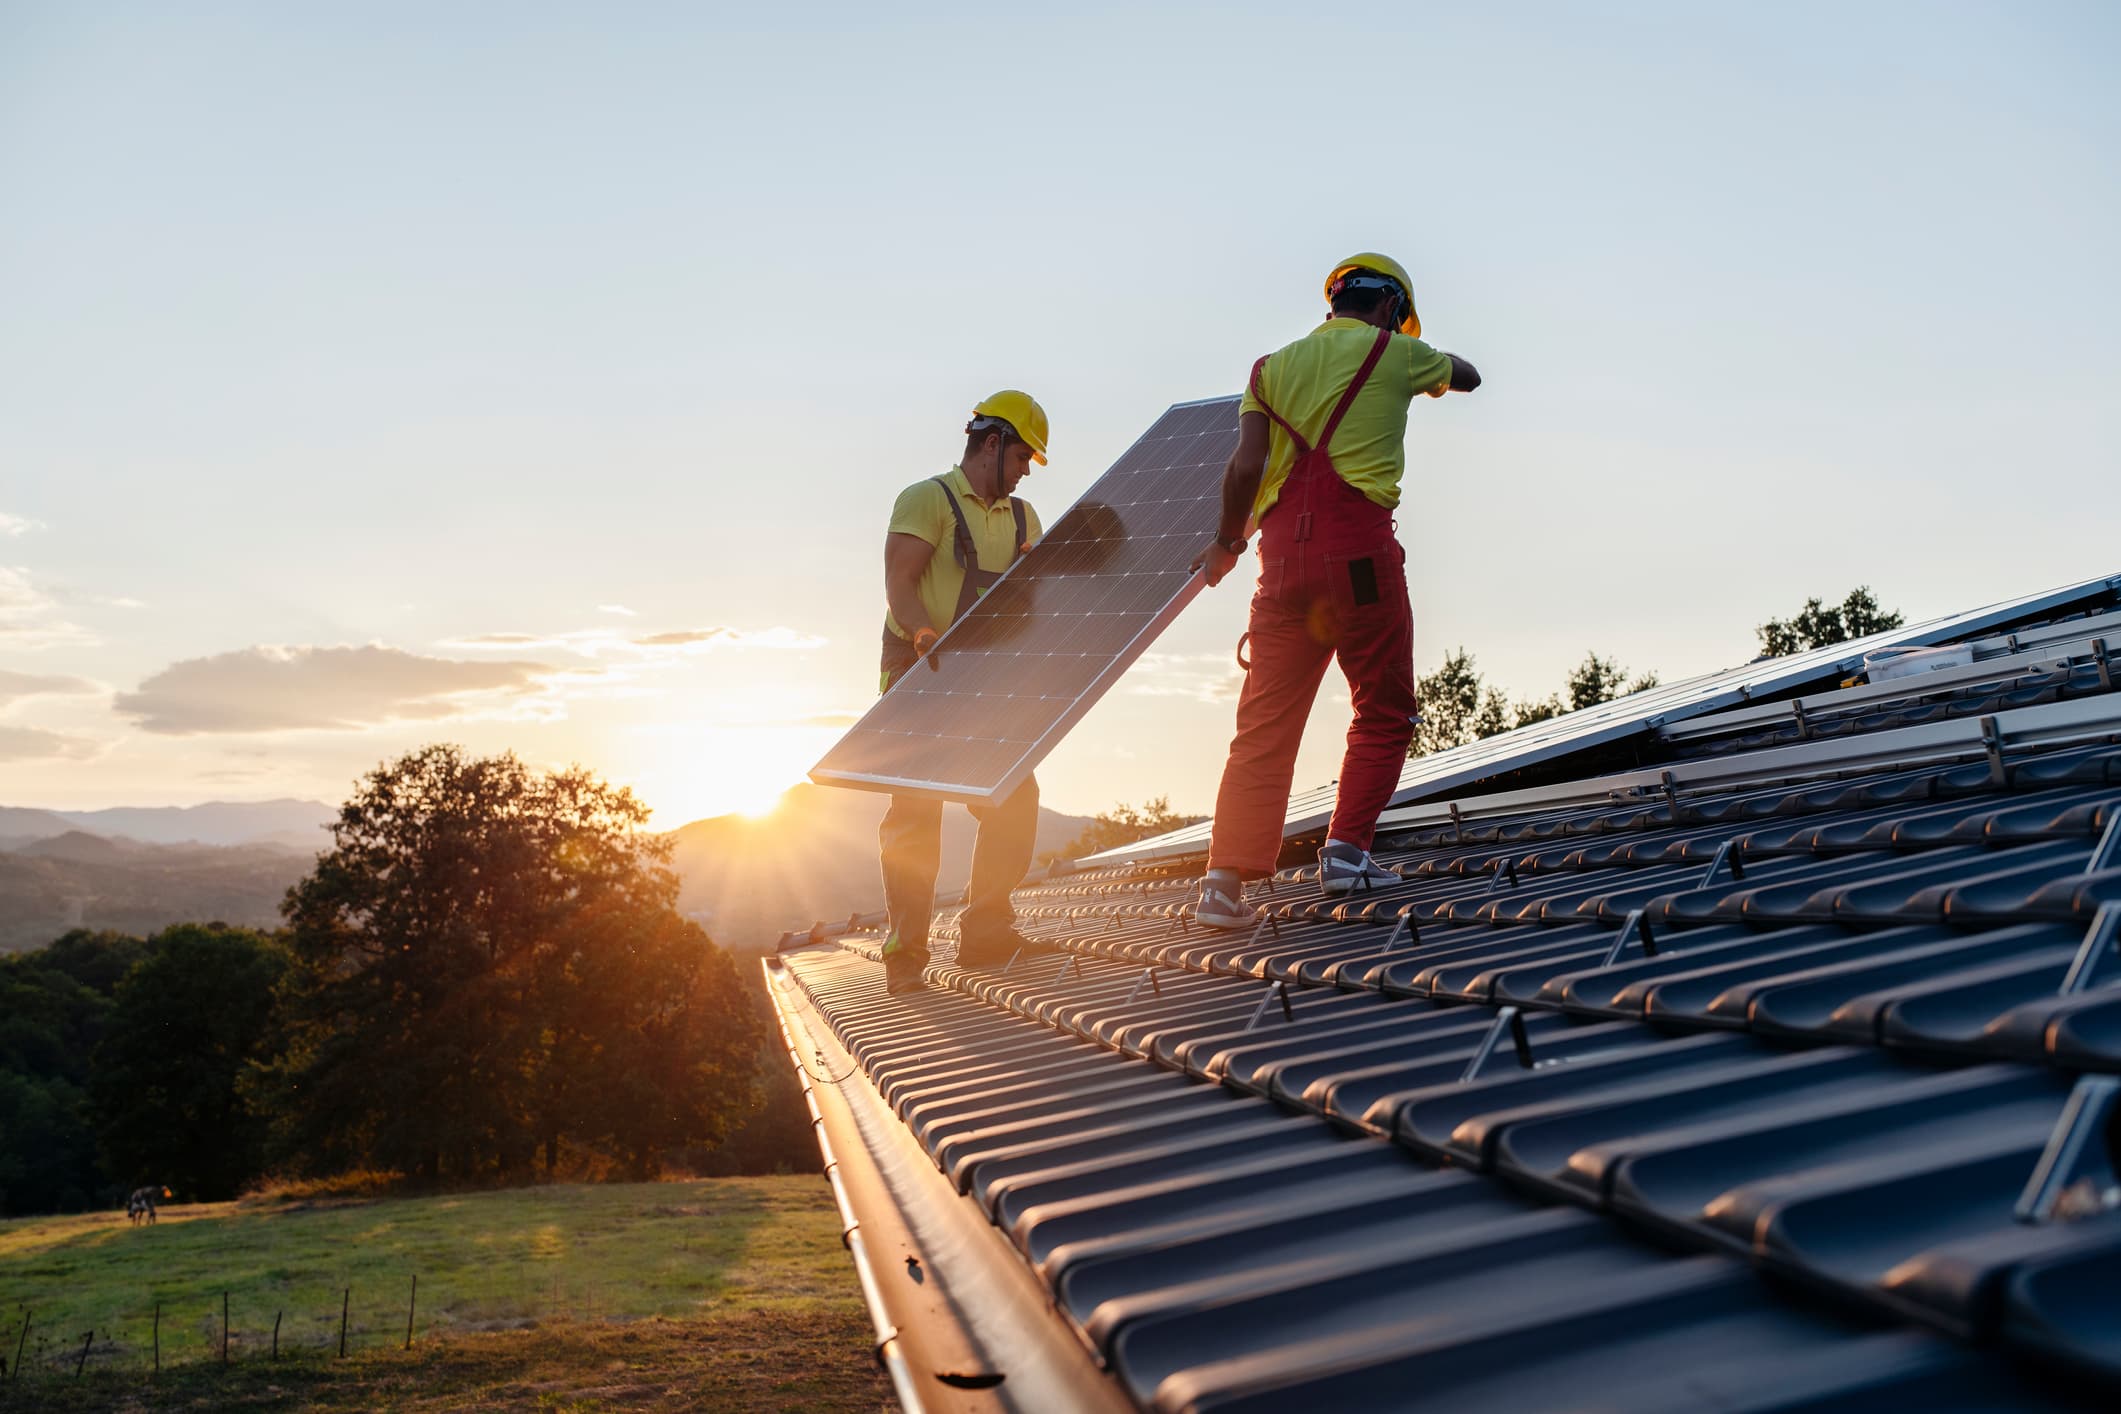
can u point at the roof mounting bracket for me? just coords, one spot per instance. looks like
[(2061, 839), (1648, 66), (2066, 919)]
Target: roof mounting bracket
[(1512, 1020), (2099, 661), (1804, 723), (1007, 965), (1458, 825), (2070, 1149), (1728, 856), (1406, 926), (1503, 867), (2107, 852), (1671, 793), (2099, 941), (1149, 976), (1279, 989), (1074, 960), (1999, 775), (1636, 924)]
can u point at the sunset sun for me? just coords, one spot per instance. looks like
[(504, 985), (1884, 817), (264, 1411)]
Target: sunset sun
[(739, 770)]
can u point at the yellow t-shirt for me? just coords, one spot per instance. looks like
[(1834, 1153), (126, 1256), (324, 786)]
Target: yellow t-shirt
[(1303, 382), (922, 510)]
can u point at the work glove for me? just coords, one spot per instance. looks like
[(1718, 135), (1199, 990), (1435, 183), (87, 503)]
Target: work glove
[(1464, 376)]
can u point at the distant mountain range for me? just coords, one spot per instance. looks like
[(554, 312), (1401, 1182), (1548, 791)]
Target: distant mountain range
[(138, 870), (294, 824)]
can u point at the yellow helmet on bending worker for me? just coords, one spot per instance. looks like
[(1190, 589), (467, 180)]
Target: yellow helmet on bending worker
[(1023, 414), (1370, 267)]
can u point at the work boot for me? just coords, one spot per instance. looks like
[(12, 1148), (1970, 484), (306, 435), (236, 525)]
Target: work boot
[(902, 974), (903, 965), (1342, 868), (1223, 906), (991, 948)]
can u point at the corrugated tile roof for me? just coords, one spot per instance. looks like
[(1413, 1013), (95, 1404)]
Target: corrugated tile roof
[(1787, 1088)]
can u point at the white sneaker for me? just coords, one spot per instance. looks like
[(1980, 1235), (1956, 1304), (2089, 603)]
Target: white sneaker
[(1343, 869), (1216, 909)]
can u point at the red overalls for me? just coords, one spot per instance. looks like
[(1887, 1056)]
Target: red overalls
[(1332, 583)]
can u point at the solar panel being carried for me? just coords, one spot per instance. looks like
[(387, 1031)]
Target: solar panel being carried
[(1007, 681), (1574, 732)]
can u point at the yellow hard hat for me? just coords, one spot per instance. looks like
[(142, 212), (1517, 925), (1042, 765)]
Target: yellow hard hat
[(1023, 414), (1392, 270)]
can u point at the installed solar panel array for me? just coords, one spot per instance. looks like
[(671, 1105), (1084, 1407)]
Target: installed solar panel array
[(1008, 680), (1446, 771)]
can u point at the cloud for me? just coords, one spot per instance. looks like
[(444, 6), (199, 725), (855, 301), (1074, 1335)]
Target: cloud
[(18, 525), (620, 609), (1204, 677), (29, 617), (14, 687), (34, 744), (602, 642), (270, 688)]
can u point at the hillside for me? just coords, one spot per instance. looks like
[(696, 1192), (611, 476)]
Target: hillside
[(813, 858), (73, 880), (721, 1294)]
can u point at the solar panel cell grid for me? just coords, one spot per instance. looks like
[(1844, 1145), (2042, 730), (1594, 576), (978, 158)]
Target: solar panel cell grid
[(1007, 681)]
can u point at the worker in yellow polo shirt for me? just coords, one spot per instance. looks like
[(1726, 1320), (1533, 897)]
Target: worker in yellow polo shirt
[(1321, 450), (952, 537)]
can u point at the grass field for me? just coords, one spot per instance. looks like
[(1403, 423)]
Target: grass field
[(712, 1294)]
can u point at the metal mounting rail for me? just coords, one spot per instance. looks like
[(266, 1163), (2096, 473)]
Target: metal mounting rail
[(1933, 743)]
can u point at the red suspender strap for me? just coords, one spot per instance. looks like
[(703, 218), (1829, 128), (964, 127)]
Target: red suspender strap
[(1259, 396), (1362, 376)]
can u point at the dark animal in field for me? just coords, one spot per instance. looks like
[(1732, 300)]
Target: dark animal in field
[(140, 1207)]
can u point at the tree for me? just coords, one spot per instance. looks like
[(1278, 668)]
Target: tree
[(490, 962), (1457, 707), (184, 1025), (1817, 625), (1597, 680), (54, 1006), (1451, 705), (1123, 824)]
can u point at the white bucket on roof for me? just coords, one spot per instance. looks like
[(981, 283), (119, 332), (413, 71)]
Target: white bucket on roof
[(1885, 664)]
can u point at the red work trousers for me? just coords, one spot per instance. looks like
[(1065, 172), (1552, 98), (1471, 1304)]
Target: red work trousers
[(1332, 584)]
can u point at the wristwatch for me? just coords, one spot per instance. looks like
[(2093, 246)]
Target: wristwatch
[(1235, 547)]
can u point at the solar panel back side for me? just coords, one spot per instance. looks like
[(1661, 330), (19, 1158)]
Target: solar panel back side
[(1008, 680)]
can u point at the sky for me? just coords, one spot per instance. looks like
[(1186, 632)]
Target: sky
[(540, 377)]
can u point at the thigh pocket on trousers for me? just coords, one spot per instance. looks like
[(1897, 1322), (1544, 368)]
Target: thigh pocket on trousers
[(1365, 586)]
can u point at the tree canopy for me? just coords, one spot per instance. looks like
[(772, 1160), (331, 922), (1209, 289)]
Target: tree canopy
[(489, 963), (1123, 824), (1817, 625), (1458, 707), (185, 1024)]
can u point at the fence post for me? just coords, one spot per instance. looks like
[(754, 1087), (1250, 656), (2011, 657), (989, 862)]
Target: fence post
[(158, 1337), (410, 1302), (85, 1342), (276, 1333), (15, 1373), (343, 1301), (224, 1328)]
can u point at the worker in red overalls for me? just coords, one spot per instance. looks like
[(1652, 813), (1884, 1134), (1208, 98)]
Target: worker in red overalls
[(1320, 453), (928, 587)]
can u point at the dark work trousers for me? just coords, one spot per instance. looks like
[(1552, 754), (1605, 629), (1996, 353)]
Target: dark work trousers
[(911, 843), (1332, 584), (911, 838)]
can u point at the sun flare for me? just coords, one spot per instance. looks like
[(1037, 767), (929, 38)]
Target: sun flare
[(731, 771)]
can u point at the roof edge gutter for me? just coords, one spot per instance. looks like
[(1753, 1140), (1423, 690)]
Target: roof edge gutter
[(962, 1325)]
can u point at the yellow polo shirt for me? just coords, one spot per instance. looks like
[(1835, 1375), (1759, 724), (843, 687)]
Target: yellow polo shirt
[(1303, 382), (922, 510)]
